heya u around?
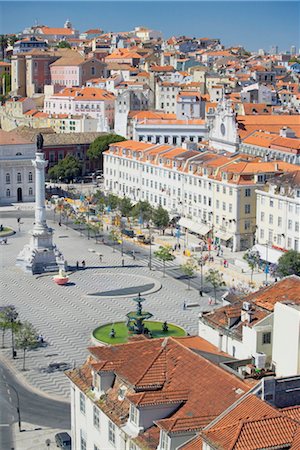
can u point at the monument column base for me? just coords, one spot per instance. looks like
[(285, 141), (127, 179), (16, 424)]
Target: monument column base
[(41, 255)]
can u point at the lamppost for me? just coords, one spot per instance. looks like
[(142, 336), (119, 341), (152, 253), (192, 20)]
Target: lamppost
[(201, 263), (13, 317), (18, 404), (150, 246)]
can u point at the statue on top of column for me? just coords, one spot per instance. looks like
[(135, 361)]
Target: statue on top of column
[(39, 141)]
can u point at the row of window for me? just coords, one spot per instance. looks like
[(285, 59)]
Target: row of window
[(279, 203), (8, 192), (279, 220), (19, 178), (279, 239)]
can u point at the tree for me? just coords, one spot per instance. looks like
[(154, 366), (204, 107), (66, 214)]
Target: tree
[(289, 264), (67, 169), (164, 254), (3, 44), (6, 321), (125, 206), (101, 143), (26, 338), (114, 236), (63, 44), (143, 210), (80, 220), (215, 278), (112, 201), (189, 269), (252, 257), (161, 218)]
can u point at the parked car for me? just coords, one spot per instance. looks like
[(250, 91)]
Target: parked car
[(129, 233), (63, 440)]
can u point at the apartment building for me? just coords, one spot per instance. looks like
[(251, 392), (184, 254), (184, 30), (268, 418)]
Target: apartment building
[(278, 212), (75, 70), (148, 394), (216, 192), (93, 102)]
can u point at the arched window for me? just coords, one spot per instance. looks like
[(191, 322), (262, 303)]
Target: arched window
[(7, 178), (30, 177), (30, 191), (7, 192), (19, 177)]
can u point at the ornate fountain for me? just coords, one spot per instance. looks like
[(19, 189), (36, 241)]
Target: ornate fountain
[(135, 322)]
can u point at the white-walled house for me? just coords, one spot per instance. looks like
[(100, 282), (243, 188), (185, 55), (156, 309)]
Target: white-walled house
[(286, 341), (17, 175), (93, 102), (263, 325)]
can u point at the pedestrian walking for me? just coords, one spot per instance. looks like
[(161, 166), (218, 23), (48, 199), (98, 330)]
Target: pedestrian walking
[(83, 264), (123, 263), (179, 246), (200, 292), (210, 301), (133, 254), (59, 224), (77, 265), (184, 304), (100, 258)]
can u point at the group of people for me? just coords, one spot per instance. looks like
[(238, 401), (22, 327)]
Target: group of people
[(82, 264)]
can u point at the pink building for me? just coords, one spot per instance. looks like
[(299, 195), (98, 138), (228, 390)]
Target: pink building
[(75, 70), (92, 102)]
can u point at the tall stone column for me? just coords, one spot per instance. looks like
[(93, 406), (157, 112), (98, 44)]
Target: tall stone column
[(40, 211), (40, 255)]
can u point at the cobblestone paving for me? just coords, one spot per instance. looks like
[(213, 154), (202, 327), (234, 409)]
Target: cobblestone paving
[(66, 316)]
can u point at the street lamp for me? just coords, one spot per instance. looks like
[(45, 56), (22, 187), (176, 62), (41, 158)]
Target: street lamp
[(13, 317), (201, 263), (150, 248)]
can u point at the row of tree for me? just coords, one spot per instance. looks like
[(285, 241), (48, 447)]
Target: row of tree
[(213, 276), (23, 333)]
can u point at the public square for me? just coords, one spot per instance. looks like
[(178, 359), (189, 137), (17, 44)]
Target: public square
[(66, 316)]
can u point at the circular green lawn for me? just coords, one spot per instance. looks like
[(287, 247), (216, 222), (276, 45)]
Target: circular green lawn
[(121, 330)]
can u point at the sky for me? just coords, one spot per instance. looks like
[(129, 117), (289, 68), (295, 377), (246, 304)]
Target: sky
[(254, 25)]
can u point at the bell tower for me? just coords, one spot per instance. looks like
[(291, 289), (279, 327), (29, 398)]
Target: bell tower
[(223, 133)]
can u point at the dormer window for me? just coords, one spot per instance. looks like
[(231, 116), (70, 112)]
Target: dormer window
[(163, 441), (134, 415)]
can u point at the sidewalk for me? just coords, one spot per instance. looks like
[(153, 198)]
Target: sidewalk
[(33, 437)]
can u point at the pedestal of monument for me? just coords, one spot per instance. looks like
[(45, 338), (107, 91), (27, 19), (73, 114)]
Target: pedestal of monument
[(40, 255)]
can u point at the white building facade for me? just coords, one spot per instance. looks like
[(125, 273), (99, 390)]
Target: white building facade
[(93, 102), (17, 179)]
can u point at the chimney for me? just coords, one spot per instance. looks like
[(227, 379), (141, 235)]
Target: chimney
[(276, 166)]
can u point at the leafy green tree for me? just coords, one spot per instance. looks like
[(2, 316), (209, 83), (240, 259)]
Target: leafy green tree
[(164, 254), (112, 201), (7, 82), (189, 269), (63, 44), (215, 278), (101, 143), (252, 257), (67, 169), (161, 218), (8, 320), (144, 210), (12, 39), (289, 264), (114, 236), (26, 338), (125, 206), (3, 44)]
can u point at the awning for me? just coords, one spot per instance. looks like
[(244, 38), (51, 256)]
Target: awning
[(198, 228), (268, 254), (223, 235)]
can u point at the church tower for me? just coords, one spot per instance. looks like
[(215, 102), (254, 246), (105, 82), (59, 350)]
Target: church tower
[(223, 134)]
